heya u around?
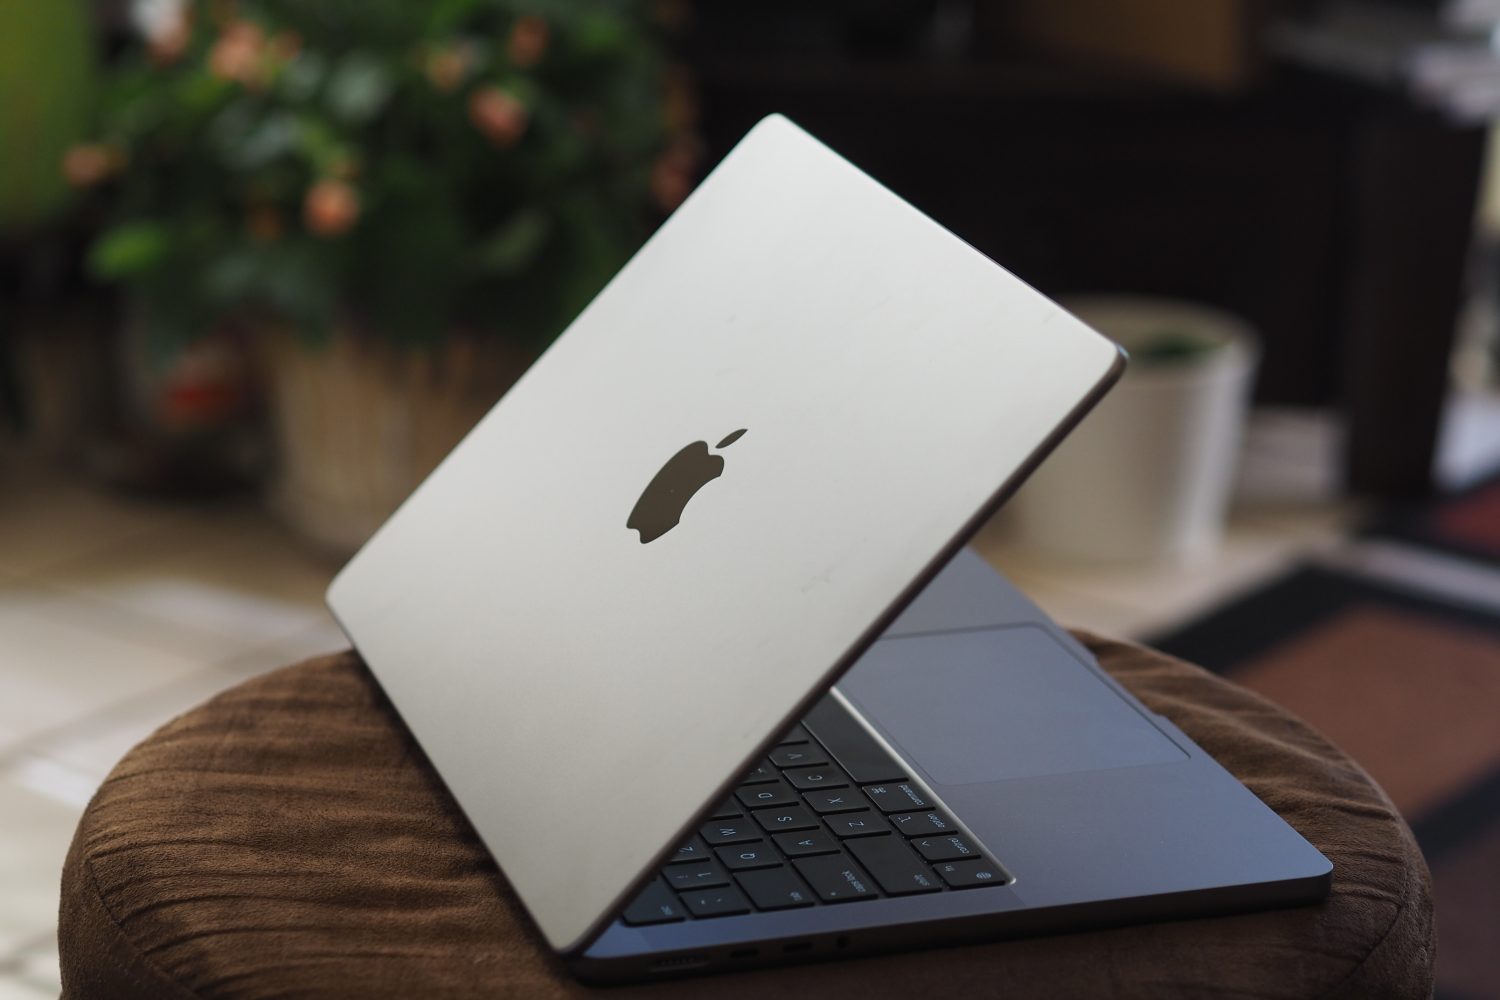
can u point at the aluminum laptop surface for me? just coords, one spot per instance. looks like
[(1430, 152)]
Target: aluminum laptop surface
[(1099, 811), (865, 386)]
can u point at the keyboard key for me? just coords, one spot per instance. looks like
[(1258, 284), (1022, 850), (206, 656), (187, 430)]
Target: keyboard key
[(836, 800), (901, 796), (738, 857), (653, 905), (785, 818), (857, 824), (964, 874), (894, 866), (811, 778), (836, 878), (852, 745), (730, 831), (794, 735), (949, 848), (798, 755), (693, 850), (775, 889), (922, 824), (729, 807), (760, 772), (696, 875), (797, 845), (779, 793), (725, 902)]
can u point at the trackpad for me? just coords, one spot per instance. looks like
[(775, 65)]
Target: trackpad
[(991, 704)]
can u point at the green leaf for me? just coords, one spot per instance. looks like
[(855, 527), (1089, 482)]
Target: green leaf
[(129, 251), (320, 146), (296, 282), (359, 88), (601, 33), (515, 244), (447, 16), (137, 109), (1172, 347), (263, 142), (231, 277), (201, 94), (303, 76)]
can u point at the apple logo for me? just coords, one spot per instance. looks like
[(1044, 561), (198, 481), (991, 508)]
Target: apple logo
[(660, 506)]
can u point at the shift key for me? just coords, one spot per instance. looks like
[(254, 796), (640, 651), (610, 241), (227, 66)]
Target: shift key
[(835, 878), (894, 866)]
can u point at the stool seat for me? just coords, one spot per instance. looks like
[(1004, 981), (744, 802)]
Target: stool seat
[(288, 838)]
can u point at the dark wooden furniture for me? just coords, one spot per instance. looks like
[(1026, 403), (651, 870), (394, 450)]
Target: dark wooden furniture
[(1335, 219)]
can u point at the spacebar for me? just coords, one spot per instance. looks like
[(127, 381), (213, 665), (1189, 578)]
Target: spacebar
[(851, 744)]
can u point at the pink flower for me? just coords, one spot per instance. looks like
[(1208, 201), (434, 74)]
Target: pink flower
[(528, 41), (89, 163), (331, 208), (447, 67), (498, 115), (237, 53)]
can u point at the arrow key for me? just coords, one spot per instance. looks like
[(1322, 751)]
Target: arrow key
[(967, 874)]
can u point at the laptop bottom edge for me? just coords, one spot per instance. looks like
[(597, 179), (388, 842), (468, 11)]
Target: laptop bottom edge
[(958, 931)]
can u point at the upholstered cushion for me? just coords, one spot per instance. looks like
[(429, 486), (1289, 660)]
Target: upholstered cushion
[(288, 839)]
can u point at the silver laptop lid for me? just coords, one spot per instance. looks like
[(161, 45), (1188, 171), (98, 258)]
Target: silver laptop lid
[(855, 385)]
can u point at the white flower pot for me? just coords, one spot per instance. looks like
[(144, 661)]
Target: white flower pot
[(1148, 475)]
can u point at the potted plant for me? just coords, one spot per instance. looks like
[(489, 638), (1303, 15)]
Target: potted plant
[(394, 203), (1149, 475)]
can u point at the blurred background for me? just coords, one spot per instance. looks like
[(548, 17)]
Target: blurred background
[(263, 262)]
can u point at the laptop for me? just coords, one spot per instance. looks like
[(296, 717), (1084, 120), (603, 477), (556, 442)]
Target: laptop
[(687, 627)]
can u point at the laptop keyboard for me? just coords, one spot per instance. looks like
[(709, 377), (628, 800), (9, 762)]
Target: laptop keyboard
[(829, 816)]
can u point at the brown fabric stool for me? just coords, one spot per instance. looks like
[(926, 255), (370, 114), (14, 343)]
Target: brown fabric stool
[(288, 839)]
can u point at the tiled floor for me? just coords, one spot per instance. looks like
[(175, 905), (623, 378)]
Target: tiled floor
[(116, 615), (1136, 601), (1287, 508)]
